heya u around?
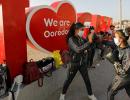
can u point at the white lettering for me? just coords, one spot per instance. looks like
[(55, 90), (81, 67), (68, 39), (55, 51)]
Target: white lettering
[(48, 22), (64, 23), (48, 34)]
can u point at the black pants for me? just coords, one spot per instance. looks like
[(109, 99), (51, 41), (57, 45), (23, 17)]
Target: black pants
[(119, 84), (74, 68), (91, 54), (101, 47)]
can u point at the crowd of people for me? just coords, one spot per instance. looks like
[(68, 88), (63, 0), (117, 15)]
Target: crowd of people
[(82, 52)]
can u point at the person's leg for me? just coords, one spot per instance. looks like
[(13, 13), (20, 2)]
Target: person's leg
[(70, 76), (127, 88), (92, 57), (88, 58), (118, 84), (84, 72), (102, 48), (112, 94), (102, 53)]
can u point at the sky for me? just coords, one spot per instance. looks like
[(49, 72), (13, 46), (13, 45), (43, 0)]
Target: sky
[(100, 7)]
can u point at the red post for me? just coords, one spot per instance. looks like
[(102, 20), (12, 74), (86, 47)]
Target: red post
[(14, 34)]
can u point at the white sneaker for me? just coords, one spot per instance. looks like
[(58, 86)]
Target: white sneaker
[(92, 97), (62, 97)]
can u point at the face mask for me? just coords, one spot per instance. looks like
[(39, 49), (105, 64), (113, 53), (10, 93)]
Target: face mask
[(116, 41), (92, 31), (81, 33)]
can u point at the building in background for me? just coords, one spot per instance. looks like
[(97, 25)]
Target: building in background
[(125, 23)]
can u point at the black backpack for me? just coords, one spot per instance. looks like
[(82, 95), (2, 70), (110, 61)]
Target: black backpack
[(47, 65)]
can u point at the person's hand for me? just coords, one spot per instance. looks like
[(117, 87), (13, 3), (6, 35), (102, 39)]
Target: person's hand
[(90, 38)]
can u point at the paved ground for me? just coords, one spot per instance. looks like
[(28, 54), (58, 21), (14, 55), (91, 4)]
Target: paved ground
[(100, 78)]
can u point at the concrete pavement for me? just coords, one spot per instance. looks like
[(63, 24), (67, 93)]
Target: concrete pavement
[(100, 77)]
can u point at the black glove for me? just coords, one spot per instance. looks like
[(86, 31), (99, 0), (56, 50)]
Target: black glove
[(112, 57)]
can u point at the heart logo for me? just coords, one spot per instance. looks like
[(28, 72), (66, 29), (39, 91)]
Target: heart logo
[(47, 26)]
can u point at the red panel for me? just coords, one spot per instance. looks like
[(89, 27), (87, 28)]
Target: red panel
[(96, 22), (14, 35), (84, 17), (109, 21), (103, 23)]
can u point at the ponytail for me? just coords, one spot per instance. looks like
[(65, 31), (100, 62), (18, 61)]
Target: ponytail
[(71, 32)]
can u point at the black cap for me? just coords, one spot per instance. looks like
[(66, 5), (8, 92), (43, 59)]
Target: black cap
[(79, 25), (112, 26), (91, 28)]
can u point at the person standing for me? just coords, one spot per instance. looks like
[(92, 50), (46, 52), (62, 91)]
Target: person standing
[(111, 31), (127, 31), (121, 65), (91, 50), (77, 49)]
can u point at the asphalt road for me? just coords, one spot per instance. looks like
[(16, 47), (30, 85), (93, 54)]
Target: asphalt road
[(100, 77)]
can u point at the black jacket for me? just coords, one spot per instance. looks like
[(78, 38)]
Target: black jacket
[(124, 57), (78, 49)]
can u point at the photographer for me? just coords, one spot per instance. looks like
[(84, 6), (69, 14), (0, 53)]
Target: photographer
[(91, 50)]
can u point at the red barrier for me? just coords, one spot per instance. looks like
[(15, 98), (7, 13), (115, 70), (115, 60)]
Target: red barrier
[(14, 34), (103, 24), (96, 22), (109, 22), (84, 17)]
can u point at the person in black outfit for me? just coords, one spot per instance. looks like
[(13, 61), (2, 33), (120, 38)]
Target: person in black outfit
[(91, 50), (127, 32), (77, 49), (121, 61)]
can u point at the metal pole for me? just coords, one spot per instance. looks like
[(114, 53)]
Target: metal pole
[(120, 13)]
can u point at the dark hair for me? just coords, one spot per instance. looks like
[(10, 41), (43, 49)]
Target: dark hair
[(127, 30), (101, 32), (90, 28), (72, 29), (112, 26)]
